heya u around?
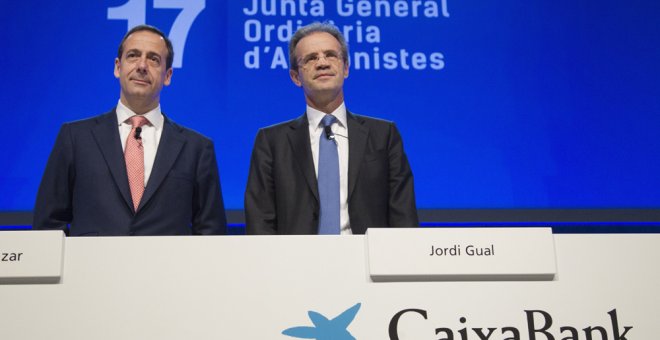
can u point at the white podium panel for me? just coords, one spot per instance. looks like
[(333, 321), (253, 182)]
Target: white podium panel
[(278, 287)]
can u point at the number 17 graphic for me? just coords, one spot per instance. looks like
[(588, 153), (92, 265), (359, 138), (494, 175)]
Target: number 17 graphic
[(135, 13)]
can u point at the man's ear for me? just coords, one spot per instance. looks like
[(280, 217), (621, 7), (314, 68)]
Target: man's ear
[(168, 77), (295, 77), (346, 68), (117, 63)]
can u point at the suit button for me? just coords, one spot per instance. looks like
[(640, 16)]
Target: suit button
[(130, 233)]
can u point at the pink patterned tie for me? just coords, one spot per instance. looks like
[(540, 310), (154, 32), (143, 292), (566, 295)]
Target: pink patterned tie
[(134, 156)]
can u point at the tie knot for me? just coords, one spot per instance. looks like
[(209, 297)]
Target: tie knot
[(328, 120), (138, 121)]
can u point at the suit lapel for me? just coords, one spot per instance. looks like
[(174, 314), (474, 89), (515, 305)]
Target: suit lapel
[(299, 140), (169, 147), (106, 134), (358, 135)]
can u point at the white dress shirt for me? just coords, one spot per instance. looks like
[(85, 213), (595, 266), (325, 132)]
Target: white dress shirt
[(340, 129), (150, 134)]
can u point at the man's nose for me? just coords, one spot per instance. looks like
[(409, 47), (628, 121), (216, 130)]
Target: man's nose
[(322, 63), (142, 64)]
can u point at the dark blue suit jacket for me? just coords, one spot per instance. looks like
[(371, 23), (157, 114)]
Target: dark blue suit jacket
[(282, 196), (85, 185)]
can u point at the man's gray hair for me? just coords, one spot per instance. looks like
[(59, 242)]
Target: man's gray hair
[(315, 27)]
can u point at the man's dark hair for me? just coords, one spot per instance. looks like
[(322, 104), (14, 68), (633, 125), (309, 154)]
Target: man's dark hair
[(139, 28), (314, 28)]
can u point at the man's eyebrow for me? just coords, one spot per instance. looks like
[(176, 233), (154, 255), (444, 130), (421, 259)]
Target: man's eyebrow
[(151, 54)]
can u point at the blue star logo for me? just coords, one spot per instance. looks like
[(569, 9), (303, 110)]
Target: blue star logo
[(325, 329)]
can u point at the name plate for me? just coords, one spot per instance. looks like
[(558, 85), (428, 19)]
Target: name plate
[(31, 256), (457, 254)]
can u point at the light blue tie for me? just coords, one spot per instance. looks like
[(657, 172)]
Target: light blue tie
[(328, 179)]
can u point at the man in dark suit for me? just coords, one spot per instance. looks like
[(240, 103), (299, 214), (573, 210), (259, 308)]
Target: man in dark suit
[(132, 171), (329, 171)]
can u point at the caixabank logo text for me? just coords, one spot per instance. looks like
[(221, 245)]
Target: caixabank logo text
[(538, 325)]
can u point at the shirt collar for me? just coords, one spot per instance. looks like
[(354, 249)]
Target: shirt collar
[(314, 116), (155, 116)]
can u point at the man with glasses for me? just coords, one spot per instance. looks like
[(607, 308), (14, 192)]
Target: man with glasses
[(329, 171)]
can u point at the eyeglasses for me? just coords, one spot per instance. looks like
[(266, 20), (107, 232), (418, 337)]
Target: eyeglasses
[(314, 58)]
